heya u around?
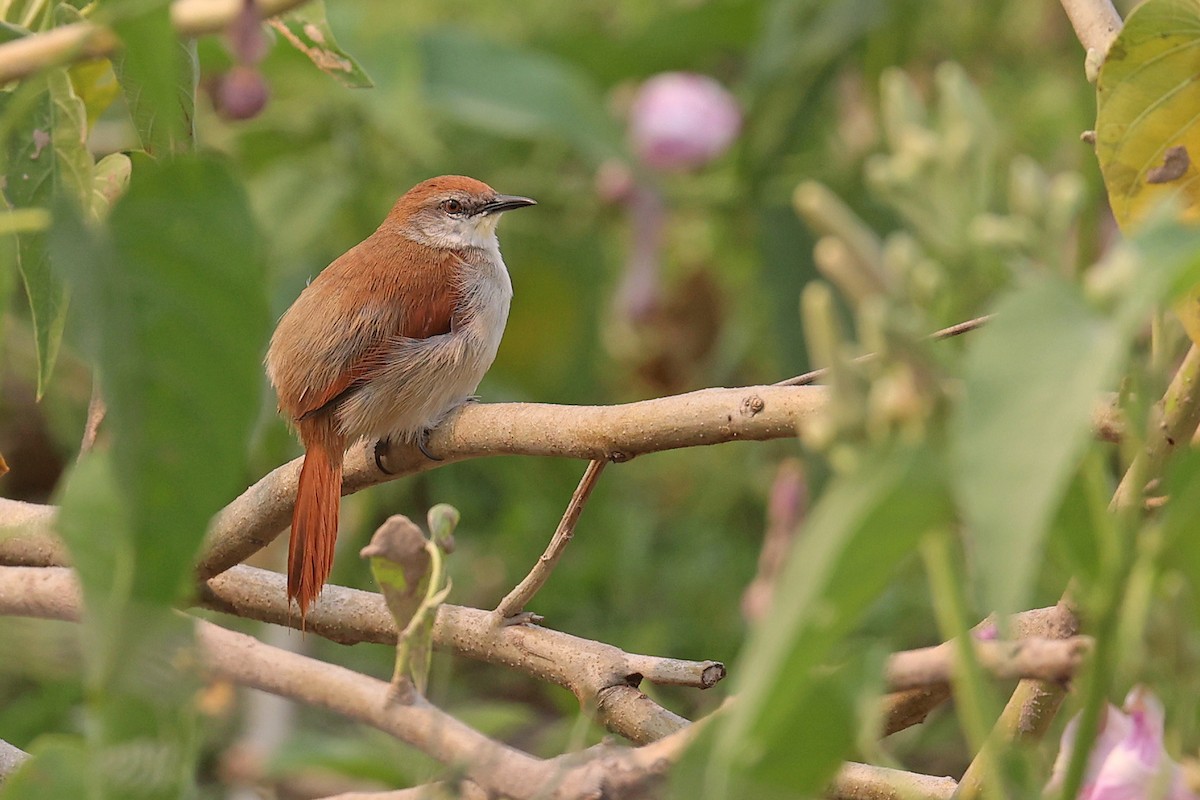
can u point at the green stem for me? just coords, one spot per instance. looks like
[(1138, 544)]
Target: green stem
[(970, 685)]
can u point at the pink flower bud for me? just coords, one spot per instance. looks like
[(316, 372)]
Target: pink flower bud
[(681, 120), (1128, 760), (241, 93)]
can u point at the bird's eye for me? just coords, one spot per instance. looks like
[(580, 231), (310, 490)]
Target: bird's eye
[(452, 206)]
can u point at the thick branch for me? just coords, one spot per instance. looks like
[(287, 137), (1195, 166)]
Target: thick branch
[(1096, 23), (614, 433), (83, 40), (1032, 706), (710, 416), (599, 675), (497, 768), (1042, 659), (909, 707), (865, 782)]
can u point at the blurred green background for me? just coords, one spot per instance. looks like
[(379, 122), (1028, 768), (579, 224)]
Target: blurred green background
[(532, 99)]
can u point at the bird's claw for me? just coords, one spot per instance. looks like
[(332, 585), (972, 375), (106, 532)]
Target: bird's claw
[(521, 618), (423, 446), (381, 446)]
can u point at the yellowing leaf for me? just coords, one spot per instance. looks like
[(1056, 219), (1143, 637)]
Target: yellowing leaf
[(1148, 120), (1147, 126)]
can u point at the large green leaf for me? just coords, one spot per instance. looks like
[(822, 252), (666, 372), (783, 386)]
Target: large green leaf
[(46, 157), (1024, 421), (173, 310), (516, 93), (177, 314), (307, 30), (858, 533), (157, 73)]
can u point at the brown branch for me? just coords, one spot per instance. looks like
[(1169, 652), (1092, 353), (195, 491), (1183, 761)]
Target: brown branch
[(497, 768), (1096, 23), (865, 782), (27, 535), (601, 676), (906, 708), (604, 770), (11, 759), (1054, 660), (516, 600), (613, 433), (80, 41), (710, 416), (1031, 708)]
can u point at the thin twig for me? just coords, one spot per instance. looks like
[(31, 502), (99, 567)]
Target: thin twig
[(515, 601), (97, 409), (945, 333)]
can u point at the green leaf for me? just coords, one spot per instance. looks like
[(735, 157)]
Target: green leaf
[(1181, 546), (516, 93), (307, 30), (1023, 424), (157, 73), (59, 768), (137, 656), (858, 533), (176, 306), (47, 157), (90, 501), (96, 86), (10, 32), (109, 182)]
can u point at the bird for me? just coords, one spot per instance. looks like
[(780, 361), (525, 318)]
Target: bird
[(384, 343)]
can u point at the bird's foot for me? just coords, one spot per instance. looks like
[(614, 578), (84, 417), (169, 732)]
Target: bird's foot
[(381, 447), (521, 618), (423, 446)]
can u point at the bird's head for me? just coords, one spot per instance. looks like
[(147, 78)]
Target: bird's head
[(453, 212)]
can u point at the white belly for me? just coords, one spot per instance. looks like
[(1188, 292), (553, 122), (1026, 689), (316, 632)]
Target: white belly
[(424, 379)]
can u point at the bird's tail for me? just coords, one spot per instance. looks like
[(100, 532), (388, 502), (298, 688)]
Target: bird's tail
[(315, 519)]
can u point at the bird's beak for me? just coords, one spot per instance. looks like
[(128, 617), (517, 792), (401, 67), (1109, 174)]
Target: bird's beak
[(506, 202)]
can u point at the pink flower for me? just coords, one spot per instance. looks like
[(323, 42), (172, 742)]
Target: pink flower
[(681, 120), (1128, 761)]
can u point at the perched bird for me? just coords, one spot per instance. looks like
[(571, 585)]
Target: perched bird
[(386, 341)]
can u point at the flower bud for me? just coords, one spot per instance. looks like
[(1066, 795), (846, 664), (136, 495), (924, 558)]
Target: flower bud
[(681, 121), (241, 93)]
